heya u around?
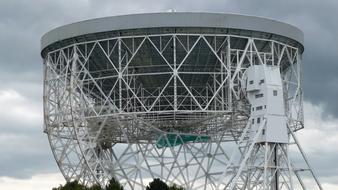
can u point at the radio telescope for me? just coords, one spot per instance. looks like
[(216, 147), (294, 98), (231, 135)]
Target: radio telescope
[(203, 100)]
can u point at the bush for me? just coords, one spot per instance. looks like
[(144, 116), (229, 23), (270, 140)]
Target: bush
[(95, 187), (175, 187), (114, 185), (74, 185), (157, 184)]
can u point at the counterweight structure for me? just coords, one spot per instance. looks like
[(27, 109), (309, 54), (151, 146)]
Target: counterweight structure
[(203, 100)]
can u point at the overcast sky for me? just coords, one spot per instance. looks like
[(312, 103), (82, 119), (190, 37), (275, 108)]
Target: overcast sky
[(26, 161)]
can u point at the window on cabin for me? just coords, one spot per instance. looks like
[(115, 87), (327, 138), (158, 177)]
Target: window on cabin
[(259, 95), (275, 92), (259, 108), (251, 82), (259, 120), (261, 81)]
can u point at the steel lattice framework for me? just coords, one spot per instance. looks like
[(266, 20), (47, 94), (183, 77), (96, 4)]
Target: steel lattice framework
[(170, 106)]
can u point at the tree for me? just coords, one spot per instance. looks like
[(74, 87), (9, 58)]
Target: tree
[(74, 185), (114, 185), (95, 187), (57, 188), (175, 187), (157, 184)]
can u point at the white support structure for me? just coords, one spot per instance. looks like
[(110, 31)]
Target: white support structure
[(265, 160), (264, 89), (206, 110)]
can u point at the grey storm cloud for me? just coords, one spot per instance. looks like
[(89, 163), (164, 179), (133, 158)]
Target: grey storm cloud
[(27, 21), (26, 156), (23, 22)]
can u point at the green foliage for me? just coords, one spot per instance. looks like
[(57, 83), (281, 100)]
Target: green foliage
[(95, 187), (74, 185), (157, 184), (175, 187), (114, 185)]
